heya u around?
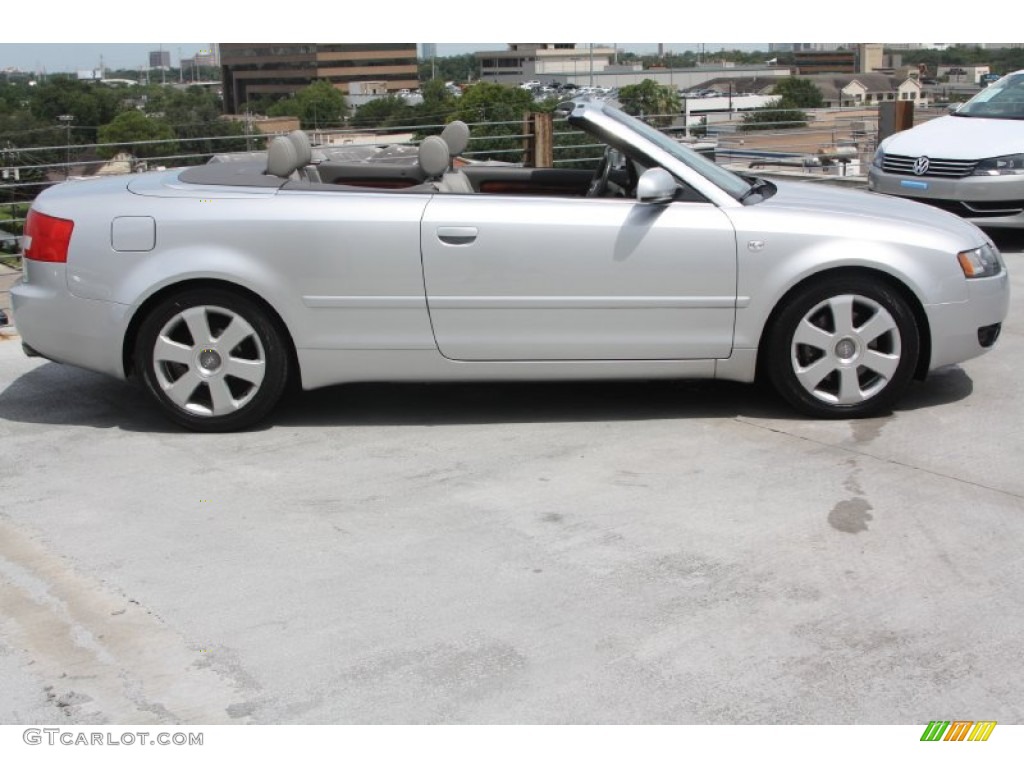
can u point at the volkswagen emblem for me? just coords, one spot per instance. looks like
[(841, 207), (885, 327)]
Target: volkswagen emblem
[(921, 166)]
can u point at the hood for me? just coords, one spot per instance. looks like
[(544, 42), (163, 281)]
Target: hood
[(959, 138), (849, 206)]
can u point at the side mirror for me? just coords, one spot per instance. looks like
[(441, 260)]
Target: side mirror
[(656, 185), (954, 107)]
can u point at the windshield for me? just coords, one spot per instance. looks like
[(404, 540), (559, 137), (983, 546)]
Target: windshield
[(1003, 100), (727, 180)]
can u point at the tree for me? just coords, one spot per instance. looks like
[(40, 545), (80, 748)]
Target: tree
[(658, 104), (90, 104), (385, 112), (130, 129), (459, 69), (798, 93), (772, 118), (795, 95), (195, 117), (317, 105), (496, 111)]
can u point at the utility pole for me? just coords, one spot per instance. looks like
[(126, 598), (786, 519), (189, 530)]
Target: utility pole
[(67, 120)]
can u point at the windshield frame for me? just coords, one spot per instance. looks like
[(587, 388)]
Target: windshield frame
[(707, 177)]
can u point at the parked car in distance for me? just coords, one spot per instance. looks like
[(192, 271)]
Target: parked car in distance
[(970, 162), (216, 285)]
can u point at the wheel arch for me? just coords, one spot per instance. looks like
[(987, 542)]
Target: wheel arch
[(132, 332), (916, 307)]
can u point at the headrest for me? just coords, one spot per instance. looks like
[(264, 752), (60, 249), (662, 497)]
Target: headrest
[(456, 136), (433, 156), (282, 157), (302, 147)]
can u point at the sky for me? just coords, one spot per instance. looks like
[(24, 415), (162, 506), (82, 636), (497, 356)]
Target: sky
[(65, 36)]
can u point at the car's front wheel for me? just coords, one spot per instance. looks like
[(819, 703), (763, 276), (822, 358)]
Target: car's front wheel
[(213, 360), (843, 347)]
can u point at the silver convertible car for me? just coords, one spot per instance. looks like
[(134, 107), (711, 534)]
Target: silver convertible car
[(216, 285)]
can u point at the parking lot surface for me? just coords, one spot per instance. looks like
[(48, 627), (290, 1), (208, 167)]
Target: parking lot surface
[(643, 552)]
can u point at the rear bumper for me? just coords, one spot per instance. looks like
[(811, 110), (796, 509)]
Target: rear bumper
[(61, 327)]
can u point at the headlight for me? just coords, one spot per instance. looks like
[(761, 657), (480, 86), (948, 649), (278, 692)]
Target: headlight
[(878, 159), (1008, 165), (980, 262)]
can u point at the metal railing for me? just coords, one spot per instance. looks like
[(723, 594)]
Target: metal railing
[(830, 144)]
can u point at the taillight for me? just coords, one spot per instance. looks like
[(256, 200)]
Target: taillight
[(47, 237)]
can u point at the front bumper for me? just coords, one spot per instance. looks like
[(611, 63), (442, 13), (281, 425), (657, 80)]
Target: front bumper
[(965, 329), (988, 201), (64, 328)]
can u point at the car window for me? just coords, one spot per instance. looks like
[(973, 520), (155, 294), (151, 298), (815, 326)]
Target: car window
[(1004, 99)]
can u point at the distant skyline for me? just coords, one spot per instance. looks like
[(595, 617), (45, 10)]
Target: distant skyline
[(71, 57)]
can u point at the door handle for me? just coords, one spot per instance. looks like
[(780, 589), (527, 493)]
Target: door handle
[(456, 235)]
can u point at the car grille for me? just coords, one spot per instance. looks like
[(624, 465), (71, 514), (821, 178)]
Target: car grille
[(975, 209), (946, 169)]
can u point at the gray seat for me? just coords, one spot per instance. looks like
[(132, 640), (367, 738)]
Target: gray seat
[(433, 159), (456, 136), (282, 158), (290, 157), (306, 169)]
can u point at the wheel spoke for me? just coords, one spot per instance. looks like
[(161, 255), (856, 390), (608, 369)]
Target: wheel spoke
[(236, 332), (842, 314), (169, 351), (223, 402), (813, 336), (181, 390), (882, 364), (812, 375), (849, 387), (251, 371), (198, 325), (879, 324)]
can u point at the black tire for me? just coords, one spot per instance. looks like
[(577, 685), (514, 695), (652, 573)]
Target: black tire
[(843, 347), (213, 360)]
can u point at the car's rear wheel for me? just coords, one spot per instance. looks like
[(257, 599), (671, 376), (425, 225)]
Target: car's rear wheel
[(213, 360), (843, 347)]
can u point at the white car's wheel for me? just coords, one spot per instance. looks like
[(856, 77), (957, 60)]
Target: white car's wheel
[(844, 347), (212, 360)]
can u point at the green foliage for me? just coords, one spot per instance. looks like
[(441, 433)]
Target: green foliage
[(129, 129), (795, 95), (503, 108), (90, 104), (194, 115), (798, 93), (658, 104), (459, 69), (318, 105), (772, 118), (385, 112), (1000, 60)]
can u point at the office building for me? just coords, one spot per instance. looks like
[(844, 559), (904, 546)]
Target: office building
[(251, 70)]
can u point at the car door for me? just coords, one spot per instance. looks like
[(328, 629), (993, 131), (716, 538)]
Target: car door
[(518, 278)]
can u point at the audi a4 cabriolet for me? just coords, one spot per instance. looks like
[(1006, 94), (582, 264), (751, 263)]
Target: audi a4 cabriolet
[(216, 285)]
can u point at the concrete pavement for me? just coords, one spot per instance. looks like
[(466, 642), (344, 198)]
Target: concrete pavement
[(533, 553)]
